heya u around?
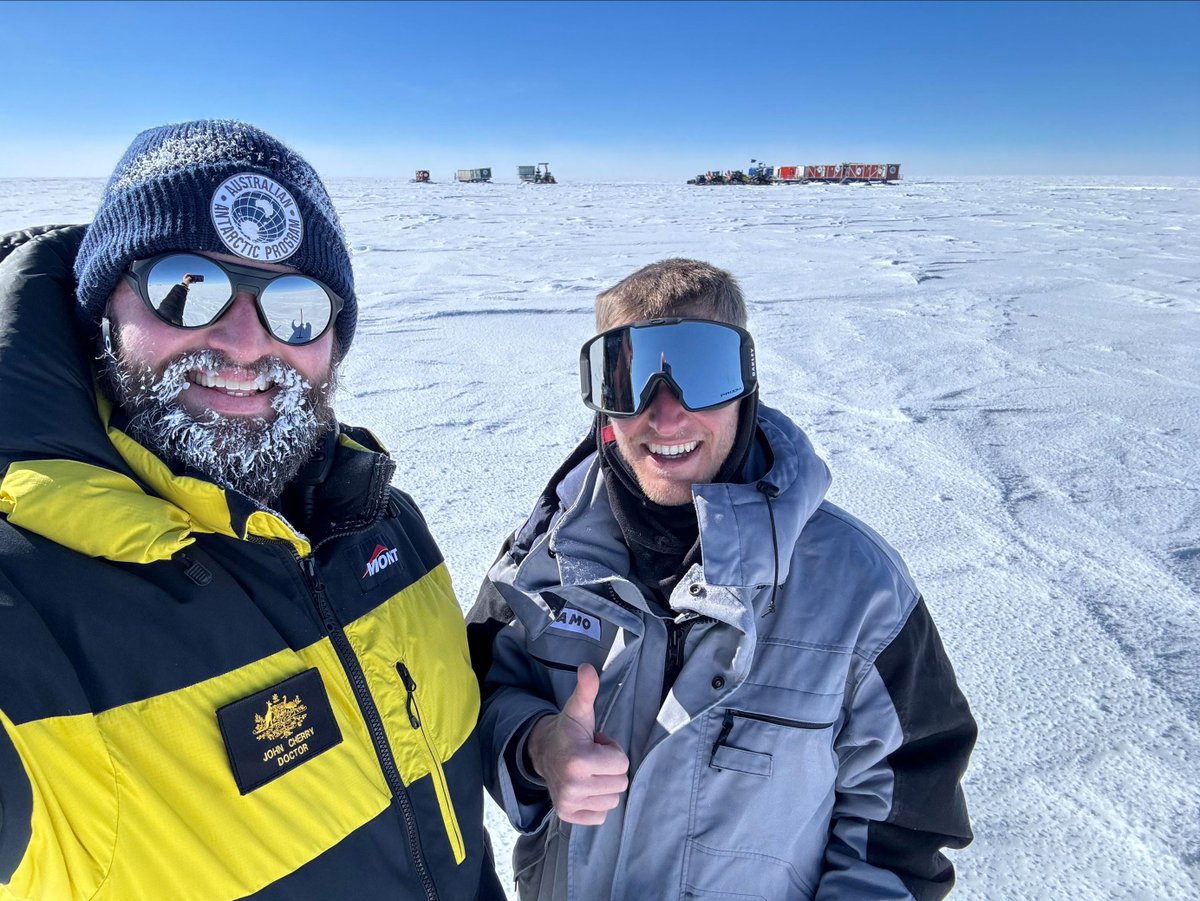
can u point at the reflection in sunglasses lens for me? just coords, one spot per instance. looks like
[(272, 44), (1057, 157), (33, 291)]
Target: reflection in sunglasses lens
[(297, 308), (186, 289)]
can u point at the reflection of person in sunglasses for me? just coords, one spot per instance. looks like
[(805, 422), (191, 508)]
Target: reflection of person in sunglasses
[(171, 309), (697, 672), (208, 588), (301, 331)]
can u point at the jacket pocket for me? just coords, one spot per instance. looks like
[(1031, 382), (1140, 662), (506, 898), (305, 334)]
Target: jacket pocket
[(714, 873), (539, 869), (752, 763), (437, 773), (745, 760), (776, 770)]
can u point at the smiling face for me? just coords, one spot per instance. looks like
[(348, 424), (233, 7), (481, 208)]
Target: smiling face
[(670, 448), (227, 399)]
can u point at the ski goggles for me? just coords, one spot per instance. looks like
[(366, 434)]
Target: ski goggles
[(707, 364), (187, 290)]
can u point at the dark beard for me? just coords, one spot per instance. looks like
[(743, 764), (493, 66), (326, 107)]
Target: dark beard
[(255, 456)]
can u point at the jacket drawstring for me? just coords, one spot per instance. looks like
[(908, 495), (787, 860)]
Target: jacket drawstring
[(770, 492)]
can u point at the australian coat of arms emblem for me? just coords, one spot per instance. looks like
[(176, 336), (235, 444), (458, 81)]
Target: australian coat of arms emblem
[(283, 717)]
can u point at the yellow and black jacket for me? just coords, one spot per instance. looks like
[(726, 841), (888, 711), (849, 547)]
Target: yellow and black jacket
[(197, 700)]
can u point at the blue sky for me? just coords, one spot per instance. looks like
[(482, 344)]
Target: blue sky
[(616, 91)]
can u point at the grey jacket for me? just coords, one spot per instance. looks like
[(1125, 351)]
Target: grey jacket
[(813, 742)]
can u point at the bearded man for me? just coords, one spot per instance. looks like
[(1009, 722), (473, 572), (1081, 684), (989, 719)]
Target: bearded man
[(231, 661)]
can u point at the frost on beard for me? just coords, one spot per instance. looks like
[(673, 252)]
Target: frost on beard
[(255, 456)]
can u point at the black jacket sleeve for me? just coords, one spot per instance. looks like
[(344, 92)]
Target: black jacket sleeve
[(912, 769), (16, 794), (171, 309)]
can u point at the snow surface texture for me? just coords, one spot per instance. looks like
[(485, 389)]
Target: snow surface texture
[(1002, 374)]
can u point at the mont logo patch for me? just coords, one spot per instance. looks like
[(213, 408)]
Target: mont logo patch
[(381, 559), (277, 729)]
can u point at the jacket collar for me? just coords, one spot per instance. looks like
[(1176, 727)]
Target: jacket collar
[(735, 523), (104, 513)]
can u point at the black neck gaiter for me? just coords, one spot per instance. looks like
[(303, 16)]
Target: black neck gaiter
[(664, 542)]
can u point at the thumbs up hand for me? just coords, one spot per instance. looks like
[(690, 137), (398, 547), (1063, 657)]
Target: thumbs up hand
[(585, 771)]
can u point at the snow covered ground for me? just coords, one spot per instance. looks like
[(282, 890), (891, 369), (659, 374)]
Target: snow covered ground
[(1003, 375)]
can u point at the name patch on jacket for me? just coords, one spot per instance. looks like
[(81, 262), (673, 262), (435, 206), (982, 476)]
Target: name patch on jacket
[(572, 620), (277, 729)]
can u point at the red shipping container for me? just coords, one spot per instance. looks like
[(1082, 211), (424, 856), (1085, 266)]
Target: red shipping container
[(823, 173), (836, 172), (874, 171), (853, 172), (786, 173)]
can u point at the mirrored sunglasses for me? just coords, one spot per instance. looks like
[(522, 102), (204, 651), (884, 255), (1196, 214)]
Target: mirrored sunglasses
[(187, 290), (707, 364)]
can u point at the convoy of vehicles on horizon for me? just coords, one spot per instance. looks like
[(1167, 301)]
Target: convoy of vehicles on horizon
[(833, 173), (758, 174)]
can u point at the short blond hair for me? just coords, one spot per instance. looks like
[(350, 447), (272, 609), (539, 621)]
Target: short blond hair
[(675, 287)]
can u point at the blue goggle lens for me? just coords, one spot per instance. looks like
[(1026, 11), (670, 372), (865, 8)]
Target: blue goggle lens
[(707, 364)]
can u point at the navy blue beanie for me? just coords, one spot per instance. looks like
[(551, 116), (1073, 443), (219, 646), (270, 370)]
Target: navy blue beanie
[(190, 186)]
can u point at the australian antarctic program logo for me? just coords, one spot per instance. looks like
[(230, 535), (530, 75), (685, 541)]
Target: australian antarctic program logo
[(381, 559), (257, 218)]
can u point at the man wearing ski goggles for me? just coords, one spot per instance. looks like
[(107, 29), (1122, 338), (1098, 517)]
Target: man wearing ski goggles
[(686, 376), (687, 651)]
